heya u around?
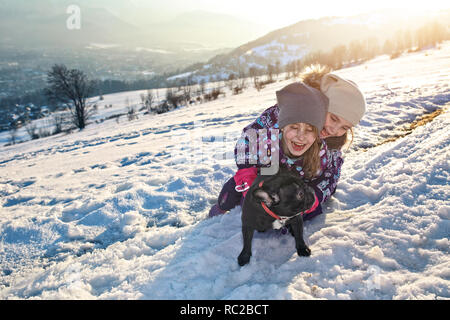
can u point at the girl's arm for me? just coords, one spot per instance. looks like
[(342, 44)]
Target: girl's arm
[(242, 153), (247, 169)]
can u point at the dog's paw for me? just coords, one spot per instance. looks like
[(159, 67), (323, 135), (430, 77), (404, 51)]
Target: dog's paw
[(244, 258), (304, 252)]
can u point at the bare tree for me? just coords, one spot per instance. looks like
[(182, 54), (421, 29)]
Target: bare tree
[(131, 110), (148, 100), (202, 86), (338, 56), (31, 129), (277, 69), (58, 122), (186, 89), (13, 127), (388, 47), (173, 98), (291, 69), (270, 71), (355, 50), (231, 83), (73, 87)]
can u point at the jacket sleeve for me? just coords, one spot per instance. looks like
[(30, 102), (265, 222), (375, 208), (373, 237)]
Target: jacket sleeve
[(246, 152), (325, 184)]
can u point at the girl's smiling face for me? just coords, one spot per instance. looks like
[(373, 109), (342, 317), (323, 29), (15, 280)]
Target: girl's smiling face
[(297, 138), (335, 126)]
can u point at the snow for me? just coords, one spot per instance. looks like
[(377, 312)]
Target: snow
[(118, 211), (181, 75), (139, 49), (102, 46), (274, 50)]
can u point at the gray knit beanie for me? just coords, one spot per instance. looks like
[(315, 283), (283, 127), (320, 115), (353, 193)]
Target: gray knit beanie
[(299, 102)]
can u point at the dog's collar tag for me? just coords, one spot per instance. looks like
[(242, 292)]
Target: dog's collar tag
[(278, 224)]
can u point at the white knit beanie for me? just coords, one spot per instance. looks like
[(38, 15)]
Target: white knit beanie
[(345, 98)]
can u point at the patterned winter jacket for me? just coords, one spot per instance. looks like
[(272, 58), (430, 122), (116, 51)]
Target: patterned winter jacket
[(324, 184)]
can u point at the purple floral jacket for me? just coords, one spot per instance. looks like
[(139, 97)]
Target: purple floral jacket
[(260, 154)]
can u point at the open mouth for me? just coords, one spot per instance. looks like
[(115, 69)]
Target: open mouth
[(297, 146)]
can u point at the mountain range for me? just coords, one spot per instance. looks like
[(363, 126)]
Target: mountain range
[(120, 23), (308, 36)]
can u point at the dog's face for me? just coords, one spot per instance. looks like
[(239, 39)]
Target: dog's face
[(285, 194)]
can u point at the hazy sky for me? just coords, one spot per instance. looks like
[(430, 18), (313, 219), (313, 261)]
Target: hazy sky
[(278, 13)]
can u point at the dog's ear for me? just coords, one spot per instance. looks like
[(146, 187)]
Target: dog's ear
[(300, 192), (268, 199)]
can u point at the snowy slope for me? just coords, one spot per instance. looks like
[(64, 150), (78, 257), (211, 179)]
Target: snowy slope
[(118, 211)]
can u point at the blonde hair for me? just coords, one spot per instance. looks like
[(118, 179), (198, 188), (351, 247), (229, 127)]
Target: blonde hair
[(311, 158)]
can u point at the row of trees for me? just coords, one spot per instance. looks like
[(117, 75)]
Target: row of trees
[(358, 51)]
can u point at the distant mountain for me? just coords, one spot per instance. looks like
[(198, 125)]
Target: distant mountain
[(297, 40), (205, 28), (325, 33), (44, 23)]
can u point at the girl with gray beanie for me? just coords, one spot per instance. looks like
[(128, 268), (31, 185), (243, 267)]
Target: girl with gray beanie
[(324, 106), (347, 103)]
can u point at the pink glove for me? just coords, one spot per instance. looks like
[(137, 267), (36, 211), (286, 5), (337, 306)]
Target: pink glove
[(244, 179)]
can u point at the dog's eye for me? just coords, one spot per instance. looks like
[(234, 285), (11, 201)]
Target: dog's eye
[(300, 194), (276, 198)]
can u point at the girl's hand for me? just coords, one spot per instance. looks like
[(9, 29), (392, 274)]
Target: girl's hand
[(244, 179)]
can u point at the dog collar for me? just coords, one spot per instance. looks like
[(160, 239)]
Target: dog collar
[(280, 221)]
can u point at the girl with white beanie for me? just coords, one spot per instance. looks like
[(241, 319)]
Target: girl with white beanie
[(347, 104)]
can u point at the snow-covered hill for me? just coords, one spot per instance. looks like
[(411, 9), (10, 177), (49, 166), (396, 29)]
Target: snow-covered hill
[(296, 41), (119, 211)]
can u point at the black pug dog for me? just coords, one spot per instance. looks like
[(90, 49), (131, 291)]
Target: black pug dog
[(270, 203)]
